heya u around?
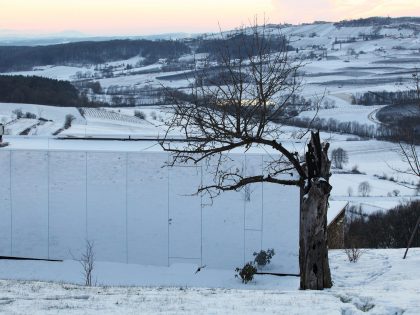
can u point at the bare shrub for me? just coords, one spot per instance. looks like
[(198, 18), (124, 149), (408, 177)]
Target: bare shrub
[(329, 104), (355, 170), (353, 254), (87, 260), (68, 121), (18, 112), (29, 115), (139, 114), (396, 192)]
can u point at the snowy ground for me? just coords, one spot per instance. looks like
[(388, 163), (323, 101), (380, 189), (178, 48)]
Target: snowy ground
[(380, 283)]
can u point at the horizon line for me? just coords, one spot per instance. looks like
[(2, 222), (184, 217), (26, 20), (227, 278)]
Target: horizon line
[(8, 33)]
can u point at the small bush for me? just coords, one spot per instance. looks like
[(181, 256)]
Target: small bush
[(329, 104), (29, 115), (352, 139), (68, 121), (355, 170), (396, 192), (139, 114), (353, 254), (18, 112), (263, 258), (383, 176), (246, 273)]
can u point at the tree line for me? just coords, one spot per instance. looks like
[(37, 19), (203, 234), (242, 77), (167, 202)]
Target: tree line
[(376, 21), (239, 46), (38, 90), (16, 58), (393, 132), (385, 98), (391, 229)]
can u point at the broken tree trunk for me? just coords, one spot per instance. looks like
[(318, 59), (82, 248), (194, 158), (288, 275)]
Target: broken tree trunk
[(412, 237), (313, 252)]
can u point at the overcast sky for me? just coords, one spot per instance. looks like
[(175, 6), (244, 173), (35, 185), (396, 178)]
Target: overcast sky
[(129, 17)]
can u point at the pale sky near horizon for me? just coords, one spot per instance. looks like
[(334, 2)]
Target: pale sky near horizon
[(130, 17)]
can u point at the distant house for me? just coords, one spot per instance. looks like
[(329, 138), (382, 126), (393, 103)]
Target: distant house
[(336, 224)]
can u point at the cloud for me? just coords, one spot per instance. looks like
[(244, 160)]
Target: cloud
[(296, 11), (334, 10), (364, 8), (157, 16)]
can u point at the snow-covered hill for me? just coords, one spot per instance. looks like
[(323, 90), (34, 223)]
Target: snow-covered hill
[(340, 61)]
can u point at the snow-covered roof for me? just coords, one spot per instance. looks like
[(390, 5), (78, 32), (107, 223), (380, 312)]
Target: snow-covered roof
[(335, 208)]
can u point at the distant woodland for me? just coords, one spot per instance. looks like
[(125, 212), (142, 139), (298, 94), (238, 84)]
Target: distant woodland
[(19, 58), (385, 98), (376, 21), (16, 58), (240, 45), (391, 229), (37, 90)]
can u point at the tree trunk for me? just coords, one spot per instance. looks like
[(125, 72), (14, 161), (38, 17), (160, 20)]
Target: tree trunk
[(313, 253)]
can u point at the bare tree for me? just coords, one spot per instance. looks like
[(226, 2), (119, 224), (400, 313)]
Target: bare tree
[(364, 189), (409, 150), (408, 135), (242, 103), (339, 157), (410, 155), (87, 260)]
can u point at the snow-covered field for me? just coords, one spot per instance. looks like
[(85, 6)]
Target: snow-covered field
[(380, 283)]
